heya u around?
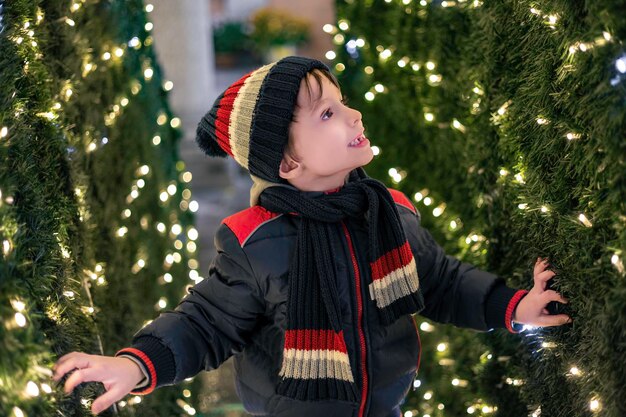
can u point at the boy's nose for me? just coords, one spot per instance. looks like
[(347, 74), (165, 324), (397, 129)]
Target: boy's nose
[(356, 115)]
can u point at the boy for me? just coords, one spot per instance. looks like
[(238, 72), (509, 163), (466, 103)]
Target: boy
[(314, 285)]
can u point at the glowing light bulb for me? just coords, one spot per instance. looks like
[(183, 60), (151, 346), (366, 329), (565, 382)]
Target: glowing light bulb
[(434, 78), (330, 55), (584, 220), (6, 247), (32, 389), (620, 64), (427, 327), (441, 347), (20, 319), (617, 262)]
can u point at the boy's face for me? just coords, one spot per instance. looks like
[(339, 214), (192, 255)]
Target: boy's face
[(323, 134)]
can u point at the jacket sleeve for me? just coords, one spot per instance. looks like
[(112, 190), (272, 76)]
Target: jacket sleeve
[(457, 292), (212, 322)]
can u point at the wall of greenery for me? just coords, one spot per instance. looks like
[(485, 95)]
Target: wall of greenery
[(96, 216), (505, 122)]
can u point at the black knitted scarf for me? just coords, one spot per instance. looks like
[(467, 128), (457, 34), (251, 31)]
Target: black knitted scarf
[(315, 358)]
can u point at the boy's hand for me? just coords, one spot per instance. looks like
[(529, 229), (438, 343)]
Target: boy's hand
[(531, 310), (119, 375)]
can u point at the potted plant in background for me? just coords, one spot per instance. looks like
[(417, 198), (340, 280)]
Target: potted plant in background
[(232, 43), (277, 33)]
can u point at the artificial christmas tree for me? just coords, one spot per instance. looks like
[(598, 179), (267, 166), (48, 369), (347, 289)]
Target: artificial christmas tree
[(506, 123), (95, 212)]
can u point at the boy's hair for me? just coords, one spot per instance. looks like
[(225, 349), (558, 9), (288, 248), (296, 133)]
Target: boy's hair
[(317, 74), (250, 120)]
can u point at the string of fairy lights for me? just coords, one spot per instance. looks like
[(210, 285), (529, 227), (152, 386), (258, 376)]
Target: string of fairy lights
[(389, 55), (26, 39)]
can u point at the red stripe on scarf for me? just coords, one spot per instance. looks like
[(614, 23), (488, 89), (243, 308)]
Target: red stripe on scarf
[(315, 340), (392, 260)]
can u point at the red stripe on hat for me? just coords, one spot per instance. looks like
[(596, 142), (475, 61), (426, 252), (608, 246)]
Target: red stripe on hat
[(315, 340), (392, 260), (224, 112)]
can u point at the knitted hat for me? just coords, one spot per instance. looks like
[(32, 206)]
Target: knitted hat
[(250, 119)]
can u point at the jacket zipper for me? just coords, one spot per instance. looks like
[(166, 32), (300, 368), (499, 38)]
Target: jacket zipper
[(359, 301), (419, 354)]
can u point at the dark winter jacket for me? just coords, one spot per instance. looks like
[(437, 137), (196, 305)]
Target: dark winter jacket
[(240, 310)]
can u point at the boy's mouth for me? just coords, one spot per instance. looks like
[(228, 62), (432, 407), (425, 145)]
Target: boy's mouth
[(357, 141)]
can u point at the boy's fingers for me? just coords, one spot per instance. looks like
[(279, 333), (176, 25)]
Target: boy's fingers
[(542, 278), (80, 376), (556, 320), (64, 359), (552, 295), (105, 400), (71, 361)]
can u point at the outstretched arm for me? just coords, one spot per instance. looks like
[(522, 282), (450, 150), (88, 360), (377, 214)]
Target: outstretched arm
[(214, 321)]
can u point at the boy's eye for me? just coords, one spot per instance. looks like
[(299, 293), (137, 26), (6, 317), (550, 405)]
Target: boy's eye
[(329, 113)]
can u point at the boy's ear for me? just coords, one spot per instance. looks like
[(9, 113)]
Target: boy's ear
[(289, 168)]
